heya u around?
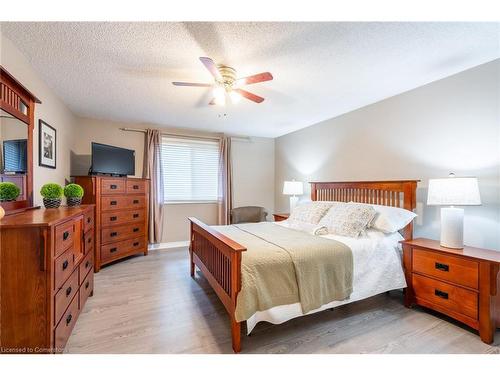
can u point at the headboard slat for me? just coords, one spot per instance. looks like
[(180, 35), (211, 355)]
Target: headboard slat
[(400, 193)]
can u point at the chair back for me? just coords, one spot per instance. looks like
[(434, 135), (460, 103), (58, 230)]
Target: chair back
[(248, 214)]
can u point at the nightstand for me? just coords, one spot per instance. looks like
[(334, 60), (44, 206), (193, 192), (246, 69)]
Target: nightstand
[(463, 284), (280, 217)]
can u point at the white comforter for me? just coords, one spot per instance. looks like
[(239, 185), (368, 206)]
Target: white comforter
[(377, 269)]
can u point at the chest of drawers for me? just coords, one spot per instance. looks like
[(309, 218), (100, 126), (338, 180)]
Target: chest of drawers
[(46, 276), (463, 284), (121, 216)]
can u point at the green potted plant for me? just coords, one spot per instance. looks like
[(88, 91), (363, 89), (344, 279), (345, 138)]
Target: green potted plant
[(8, 191), (73, 194), (52, 194)]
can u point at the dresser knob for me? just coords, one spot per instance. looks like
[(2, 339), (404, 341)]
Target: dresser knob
[(136, 187), (68, 291), (442, 267), (87, 285), (441, 294), (113, 187), (88, 220), (136, 243), (65, 264), (112, 218), (113, 234), (136, 201), (113, 203), (68, 319), (112, 250), (136, 230), (136, 216), (65, 235)]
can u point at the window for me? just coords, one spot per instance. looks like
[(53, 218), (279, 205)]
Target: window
[(190, 170)]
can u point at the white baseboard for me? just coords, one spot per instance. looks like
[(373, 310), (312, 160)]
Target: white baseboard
[(167, 245)]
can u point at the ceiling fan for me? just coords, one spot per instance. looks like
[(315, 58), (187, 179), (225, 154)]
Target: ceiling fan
[(226, 82)]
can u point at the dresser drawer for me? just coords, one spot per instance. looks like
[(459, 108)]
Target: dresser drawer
[(88, 241), (88, 221), (86, 288), (85, 266), (110, 203), (113, 186), (65, 295), (447, 296), (136, 186), (114, 234), (63, 267), (68, 320), (115, 250), (121, 217), (445, 267), (64, 236)]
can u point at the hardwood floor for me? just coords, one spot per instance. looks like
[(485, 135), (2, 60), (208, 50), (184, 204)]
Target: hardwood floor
[(151, 305)]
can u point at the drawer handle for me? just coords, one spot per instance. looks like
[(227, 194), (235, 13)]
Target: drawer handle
[(68, 319), (112, 250), (68, 291), (113, 186), (113, 234), (113, 203), (89, 240), (136, 230), (87, 285), (88, 220), (136, 201), (65, 264), (112, 218), (87, 264), (442, 267), (136, 187), (441, 294), (65, 235), (135, 216), (136, 243)]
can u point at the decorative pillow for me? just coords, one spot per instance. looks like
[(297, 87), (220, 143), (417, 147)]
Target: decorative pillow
[(310, 212), (391, 219), (348, 219)]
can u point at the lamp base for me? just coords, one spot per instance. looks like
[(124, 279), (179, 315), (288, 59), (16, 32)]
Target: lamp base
[(452, 227), (293, 202)]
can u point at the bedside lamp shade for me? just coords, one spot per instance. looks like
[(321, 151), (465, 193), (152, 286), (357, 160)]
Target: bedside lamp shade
[(453, 191), (293, 188)]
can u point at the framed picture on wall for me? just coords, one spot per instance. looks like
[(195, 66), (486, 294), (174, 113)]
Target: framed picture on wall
[(46, 145)]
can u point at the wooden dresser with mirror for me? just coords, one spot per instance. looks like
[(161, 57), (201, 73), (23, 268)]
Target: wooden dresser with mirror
[(46, 255)]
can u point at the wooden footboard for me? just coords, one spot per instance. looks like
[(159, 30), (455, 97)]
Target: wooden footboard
[(219, 259)]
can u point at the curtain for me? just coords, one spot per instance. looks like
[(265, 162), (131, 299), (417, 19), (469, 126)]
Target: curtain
[(225, 186), (154, 171)]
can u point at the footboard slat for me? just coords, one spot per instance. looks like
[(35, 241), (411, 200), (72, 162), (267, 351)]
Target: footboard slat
[(219, 259)]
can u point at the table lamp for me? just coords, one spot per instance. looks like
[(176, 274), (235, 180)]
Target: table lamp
[(293, 188), (453, 191)]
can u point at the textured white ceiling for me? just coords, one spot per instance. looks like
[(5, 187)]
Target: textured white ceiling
[(123, 71)]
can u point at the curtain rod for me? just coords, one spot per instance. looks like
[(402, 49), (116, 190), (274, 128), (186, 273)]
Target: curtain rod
[(184, 135)]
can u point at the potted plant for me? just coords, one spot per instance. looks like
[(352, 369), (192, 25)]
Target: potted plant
[(8, 191), (52, 194), (73, 194)]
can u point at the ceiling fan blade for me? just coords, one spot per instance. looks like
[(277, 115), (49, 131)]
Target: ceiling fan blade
[(212, 68), (256, 78), (250, 96), (192, 84)]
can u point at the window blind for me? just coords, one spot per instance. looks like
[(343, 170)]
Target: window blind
[(190, 169)]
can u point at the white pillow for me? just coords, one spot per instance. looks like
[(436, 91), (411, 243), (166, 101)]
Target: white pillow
[(348, 219), (310, 212), (390, 219)]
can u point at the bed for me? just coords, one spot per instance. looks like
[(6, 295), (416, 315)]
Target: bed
[(377, 265)]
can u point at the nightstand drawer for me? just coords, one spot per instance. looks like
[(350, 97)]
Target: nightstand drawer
[(448, 268), (447, 296)]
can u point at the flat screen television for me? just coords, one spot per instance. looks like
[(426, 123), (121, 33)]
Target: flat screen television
[(112, 160), (15, 155)]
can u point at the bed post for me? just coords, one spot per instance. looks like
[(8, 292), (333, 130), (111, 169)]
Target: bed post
[(191, 244)]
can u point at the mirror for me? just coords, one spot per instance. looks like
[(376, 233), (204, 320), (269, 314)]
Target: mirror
[(14, 155)]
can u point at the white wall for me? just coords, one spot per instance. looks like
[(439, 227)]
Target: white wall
[(52, 111), (253, 171), (449, 125)]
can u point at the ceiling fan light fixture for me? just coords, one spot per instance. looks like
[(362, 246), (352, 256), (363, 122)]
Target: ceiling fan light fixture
[(219, 95)]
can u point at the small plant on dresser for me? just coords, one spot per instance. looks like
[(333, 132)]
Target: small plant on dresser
[(52, 194), (8, 191), (73, 194)]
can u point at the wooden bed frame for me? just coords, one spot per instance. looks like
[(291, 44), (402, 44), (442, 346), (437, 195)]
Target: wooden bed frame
[(219, 258)]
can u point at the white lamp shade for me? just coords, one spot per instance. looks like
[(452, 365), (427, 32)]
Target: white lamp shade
[(293, 188), (453, 191)]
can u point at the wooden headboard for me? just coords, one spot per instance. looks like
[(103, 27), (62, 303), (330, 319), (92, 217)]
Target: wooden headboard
[(401, 193)]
